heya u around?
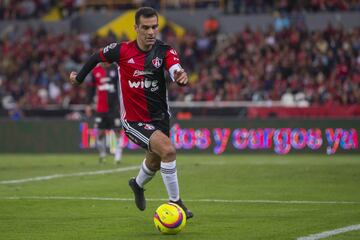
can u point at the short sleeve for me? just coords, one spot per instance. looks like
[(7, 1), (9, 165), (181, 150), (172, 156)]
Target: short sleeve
[(110, 53), (171, 58)]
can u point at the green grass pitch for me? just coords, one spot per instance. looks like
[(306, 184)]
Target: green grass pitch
[(232, 197)]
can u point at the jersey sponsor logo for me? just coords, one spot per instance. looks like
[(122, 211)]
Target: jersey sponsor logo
[(112, 73), (157, 62), (106, 85), (146, 83), (176, 59), (104, 80), (131, 60), (173, 52), (140, 73)]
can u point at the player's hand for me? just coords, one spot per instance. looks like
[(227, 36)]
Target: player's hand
[(72, 78), (181, 77)]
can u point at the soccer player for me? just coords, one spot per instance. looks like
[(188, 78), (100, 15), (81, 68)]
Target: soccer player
[(143, 98), (104, 85)]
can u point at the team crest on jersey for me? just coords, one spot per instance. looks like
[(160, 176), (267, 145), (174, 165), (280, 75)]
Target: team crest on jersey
[(173, 51), (157, 62)]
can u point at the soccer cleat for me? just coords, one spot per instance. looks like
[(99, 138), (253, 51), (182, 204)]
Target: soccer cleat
[(139, 194), (188, 213)]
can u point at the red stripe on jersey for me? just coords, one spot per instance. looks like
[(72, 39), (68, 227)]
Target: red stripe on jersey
[(99, 74), (135, 107), (171, 58), (102, 56)]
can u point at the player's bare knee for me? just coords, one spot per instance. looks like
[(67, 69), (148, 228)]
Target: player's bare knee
[(169, 154)]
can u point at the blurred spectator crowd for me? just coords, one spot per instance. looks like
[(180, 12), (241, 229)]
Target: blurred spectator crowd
[(297, 67), (263, 6), (26, 9), (285, 62), (35, 67), (292, 64)]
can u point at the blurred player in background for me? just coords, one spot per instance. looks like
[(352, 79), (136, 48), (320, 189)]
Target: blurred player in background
[(144, 103), (103, 90)]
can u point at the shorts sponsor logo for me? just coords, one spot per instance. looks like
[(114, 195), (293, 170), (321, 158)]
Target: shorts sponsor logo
[(157, 62), (149, 127), (146, 126)]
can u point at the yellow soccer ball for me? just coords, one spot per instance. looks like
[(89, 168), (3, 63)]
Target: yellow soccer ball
[(169, 218)]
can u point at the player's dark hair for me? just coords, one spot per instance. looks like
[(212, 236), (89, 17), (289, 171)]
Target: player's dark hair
[(146, 12)]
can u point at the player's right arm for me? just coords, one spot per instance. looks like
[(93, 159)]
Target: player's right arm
[(110, 54), (172, 64)]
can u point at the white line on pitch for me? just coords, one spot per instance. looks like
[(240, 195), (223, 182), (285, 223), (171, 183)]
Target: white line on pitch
[(44, 178), (331, 233), (160, 199)]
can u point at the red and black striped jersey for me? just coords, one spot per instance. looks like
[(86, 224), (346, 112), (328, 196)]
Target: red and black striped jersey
[(104, 85), (142, 82)]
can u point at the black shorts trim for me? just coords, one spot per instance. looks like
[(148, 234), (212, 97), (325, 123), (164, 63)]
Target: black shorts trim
[(140, 132)]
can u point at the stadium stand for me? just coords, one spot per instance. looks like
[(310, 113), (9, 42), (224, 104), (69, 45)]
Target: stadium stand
[(25, 9), (291, 65), (285, 63)]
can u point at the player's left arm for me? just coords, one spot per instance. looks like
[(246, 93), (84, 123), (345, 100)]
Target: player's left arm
[(172, 64), (78, 78), (108, 54)]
